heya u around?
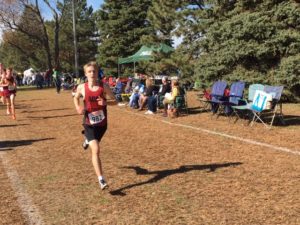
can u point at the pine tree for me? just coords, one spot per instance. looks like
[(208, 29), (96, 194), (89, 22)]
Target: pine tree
[(251, 40), (121, 25)]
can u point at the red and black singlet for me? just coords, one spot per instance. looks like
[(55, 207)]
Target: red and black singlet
[(95, 114)]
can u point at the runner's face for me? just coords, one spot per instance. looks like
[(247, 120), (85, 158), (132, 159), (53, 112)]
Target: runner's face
[(91, 72), (8, 73)]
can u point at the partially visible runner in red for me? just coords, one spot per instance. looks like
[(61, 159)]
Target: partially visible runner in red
[(2, 77), (94, 94), (9, 92)]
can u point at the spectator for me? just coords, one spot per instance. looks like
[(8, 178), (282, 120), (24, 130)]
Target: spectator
[(147, 93), (39, 79), (165, 88), (57, 79), (134, 98), (170, 97), (47, 77)]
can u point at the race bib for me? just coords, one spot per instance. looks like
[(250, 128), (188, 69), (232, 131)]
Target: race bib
[(96, 117), (11, 88), (1, 88)]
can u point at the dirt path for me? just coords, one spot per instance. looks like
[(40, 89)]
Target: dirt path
[(158, 173)]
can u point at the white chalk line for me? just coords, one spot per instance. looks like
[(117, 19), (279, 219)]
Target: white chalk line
[(29, 210), (249, 141)]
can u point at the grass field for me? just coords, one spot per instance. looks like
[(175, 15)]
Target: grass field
[(189, 170)]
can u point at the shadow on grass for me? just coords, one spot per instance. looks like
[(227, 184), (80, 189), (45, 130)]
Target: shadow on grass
[(161, 174), (198, 110), (46, 110), (31, 100), (49, 117), (290, 120), (6, 149), (7, 145), (14, 125)]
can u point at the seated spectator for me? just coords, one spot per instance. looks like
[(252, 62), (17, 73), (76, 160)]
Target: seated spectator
[(147, 93), (170, 97), (134, 98), (118, 90), (128, 87), (165, 88)]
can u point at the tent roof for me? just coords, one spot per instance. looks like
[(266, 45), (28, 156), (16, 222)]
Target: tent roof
[(145, 53)]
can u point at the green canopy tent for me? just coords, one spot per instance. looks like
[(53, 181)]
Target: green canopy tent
[(144, 54)]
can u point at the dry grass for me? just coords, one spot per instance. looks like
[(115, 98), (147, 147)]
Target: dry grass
[(158, 173)]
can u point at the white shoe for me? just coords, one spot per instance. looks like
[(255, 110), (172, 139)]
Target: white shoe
[(149, 112), (103, 184)]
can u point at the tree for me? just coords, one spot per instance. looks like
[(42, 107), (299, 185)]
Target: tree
[(86, 35), (121, 25), (251, 40), (25, 17), (180, 19)]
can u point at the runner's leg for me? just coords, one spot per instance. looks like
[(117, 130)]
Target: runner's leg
[(8, 105), (94, 145), (12, 105)]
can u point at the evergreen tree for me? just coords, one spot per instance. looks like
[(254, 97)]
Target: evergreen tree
[(176, 19), (121, 25), (252, 40)]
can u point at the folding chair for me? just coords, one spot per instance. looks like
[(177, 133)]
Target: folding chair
[(235, 95), (271, 108), (204, 99), (180, 102), (242, 110), (217, 95)]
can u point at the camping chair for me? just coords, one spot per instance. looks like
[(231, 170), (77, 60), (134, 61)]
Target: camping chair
[(242, 110), (217, 95), (270, 106), (118, 90), (235, 95), (204, 99), (180, 102)]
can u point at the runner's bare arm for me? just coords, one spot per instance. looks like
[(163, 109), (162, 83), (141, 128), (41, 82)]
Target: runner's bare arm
[(108, 93), (76, 99)]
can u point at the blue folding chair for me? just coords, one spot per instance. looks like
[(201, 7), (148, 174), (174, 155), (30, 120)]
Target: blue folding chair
[(234, 98), (217, 95)]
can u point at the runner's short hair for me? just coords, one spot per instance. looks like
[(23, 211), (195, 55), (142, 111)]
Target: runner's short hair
[(92, 63)]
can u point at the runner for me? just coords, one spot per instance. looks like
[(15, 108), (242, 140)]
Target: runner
[(94, 95), (9, 92), (57, 79), (2, 77)]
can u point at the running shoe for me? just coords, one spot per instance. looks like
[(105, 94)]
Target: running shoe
[(85, 144), (149, 112), (103, 184)]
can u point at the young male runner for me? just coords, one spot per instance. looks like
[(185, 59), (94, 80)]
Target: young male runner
[(94, 95)]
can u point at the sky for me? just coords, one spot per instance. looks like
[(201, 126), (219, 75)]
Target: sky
[(95, 3)]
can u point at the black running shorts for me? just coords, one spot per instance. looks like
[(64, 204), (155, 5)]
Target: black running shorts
[(94, 132)]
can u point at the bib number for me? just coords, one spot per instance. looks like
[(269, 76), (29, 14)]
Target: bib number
[(96, 117)]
